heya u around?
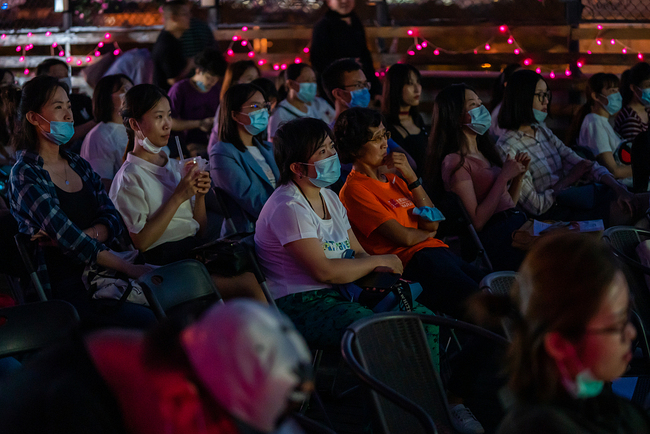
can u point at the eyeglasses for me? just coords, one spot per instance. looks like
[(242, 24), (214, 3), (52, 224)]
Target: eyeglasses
[(255, 107), (541, 96), (360, 85), (385, 135), (614, 329)]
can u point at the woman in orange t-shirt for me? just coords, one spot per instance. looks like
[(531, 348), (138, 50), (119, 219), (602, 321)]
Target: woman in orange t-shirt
[(391, 215)]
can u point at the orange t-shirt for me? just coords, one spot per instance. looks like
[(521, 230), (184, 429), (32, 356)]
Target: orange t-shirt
[(371, 203)]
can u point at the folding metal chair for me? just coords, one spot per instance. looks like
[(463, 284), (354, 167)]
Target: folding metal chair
[(173, 285), (389, 353), (499, 283), (30, 327), (26, 250)]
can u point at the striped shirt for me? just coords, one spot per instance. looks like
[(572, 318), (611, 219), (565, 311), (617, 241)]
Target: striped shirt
[(628, 123), (550, 161), (35, 206)]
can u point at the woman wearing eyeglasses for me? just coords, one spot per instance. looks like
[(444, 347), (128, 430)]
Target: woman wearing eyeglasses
[(392, 214), (547, 190), (240, 163), (572, 338)]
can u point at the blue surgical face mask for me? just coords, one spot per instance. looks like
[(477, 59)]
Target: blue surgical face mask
[(540, 116), (645, 96), (360, 98), (259, 121), (328, 171), (480, 120), (201, 86), (614, 103), (307, 92), (60, 132)]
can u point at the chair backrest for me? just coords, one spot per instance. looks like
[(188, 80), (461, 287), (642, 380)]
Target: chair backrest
[(499, 283), (175, 284), (222, 201), (392, 349), (30, 327), (623, 240)]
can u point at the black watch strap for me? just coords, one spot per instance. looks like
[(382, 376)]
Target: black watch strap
[(415, 184)]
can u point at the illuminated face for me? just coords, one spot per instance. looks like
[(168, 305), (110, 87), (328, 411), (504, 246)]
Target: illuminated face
[(156, 124), (375, 150), (542, 97), (412, 90), (342, 7)]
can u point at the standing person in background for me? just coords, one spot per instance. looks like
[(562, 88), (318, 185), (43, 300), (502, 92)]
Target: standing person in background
[(195, 100), (635, 90), (104, 145), (82, 105), (6, 77), (497, 98), (240, 72), (199, 36), (399, 105), (338, 35), (170, 64)]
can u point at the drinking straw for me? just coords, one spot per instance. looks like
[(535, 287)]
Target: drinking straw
[(180, 150)]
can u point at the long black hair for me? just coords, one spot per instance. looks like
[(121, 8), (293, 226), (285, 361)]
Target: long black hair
[(36, 93), (103, 96), (397, 77), (500, 84), (232, 102), (447, 136), (517, 108), (138, 101)]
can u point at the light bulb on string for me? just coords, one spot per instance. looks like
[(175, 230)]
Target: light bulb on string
[(552, 74), (230, 52), (283, 66), (244, 29), (305, 50), (107, 36), (297, 60), (26, 71), (436, 52), (100, 45), (261, 62), (580, 64), (424, 44), (640, 56), (418, 47), (613, 42), (517, 51), (599, 42), (487, 47), (276, 67), (567, 72), (538, 70), (624, 50), (528, 61), (48, 33), (411, 53), (235, 38), (251, 54), (54, 45), (61, 53), (503, 29), (510, 40), (244, 42)]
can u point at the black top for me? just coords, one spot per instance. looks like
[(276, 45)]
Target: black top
[(168, 59), (334, 39), (82, 108), (81, 209), (59, 391), (414, 144), (604, 414)]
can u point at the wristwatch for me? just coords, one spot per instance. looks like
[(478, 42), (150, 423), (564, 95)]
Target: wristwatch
[(415, 184)]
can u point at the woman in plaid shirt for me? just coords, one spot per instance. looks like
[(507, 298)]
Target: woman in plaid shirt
[(547, 189), (58, 199)]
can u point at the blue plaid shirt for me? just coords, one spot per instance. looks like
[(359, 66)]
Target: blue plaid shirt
[(35, 205)]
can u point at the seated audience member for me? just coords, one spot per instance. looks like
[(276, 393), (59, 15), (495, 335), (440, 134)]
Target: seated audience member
[(381, 208), (302, 238), (572, 338), (399, 105), (195, 100), (240, 163), (240, 72), (214, 376), (58, 200), (301, 93), (497, 98), (104, 145), (162, 204), (82, 105), (169, 62), (464, 161), (7, 77), (595, 132), (546, 191), (635, 90)]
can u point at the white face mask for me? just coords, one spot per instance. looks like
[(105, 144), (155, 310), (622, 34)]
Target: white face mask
[(146, 143)]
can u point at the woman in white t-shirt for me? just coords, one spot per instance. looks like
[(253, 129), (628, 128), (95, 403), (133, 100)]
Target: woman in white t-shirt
[(301, 100), (595, 132), (163, 209), (103, 147), (241, 164), (304, 240)]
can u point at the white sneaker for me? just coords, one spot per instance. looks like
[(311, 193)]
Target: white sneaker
[(464, 420)]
